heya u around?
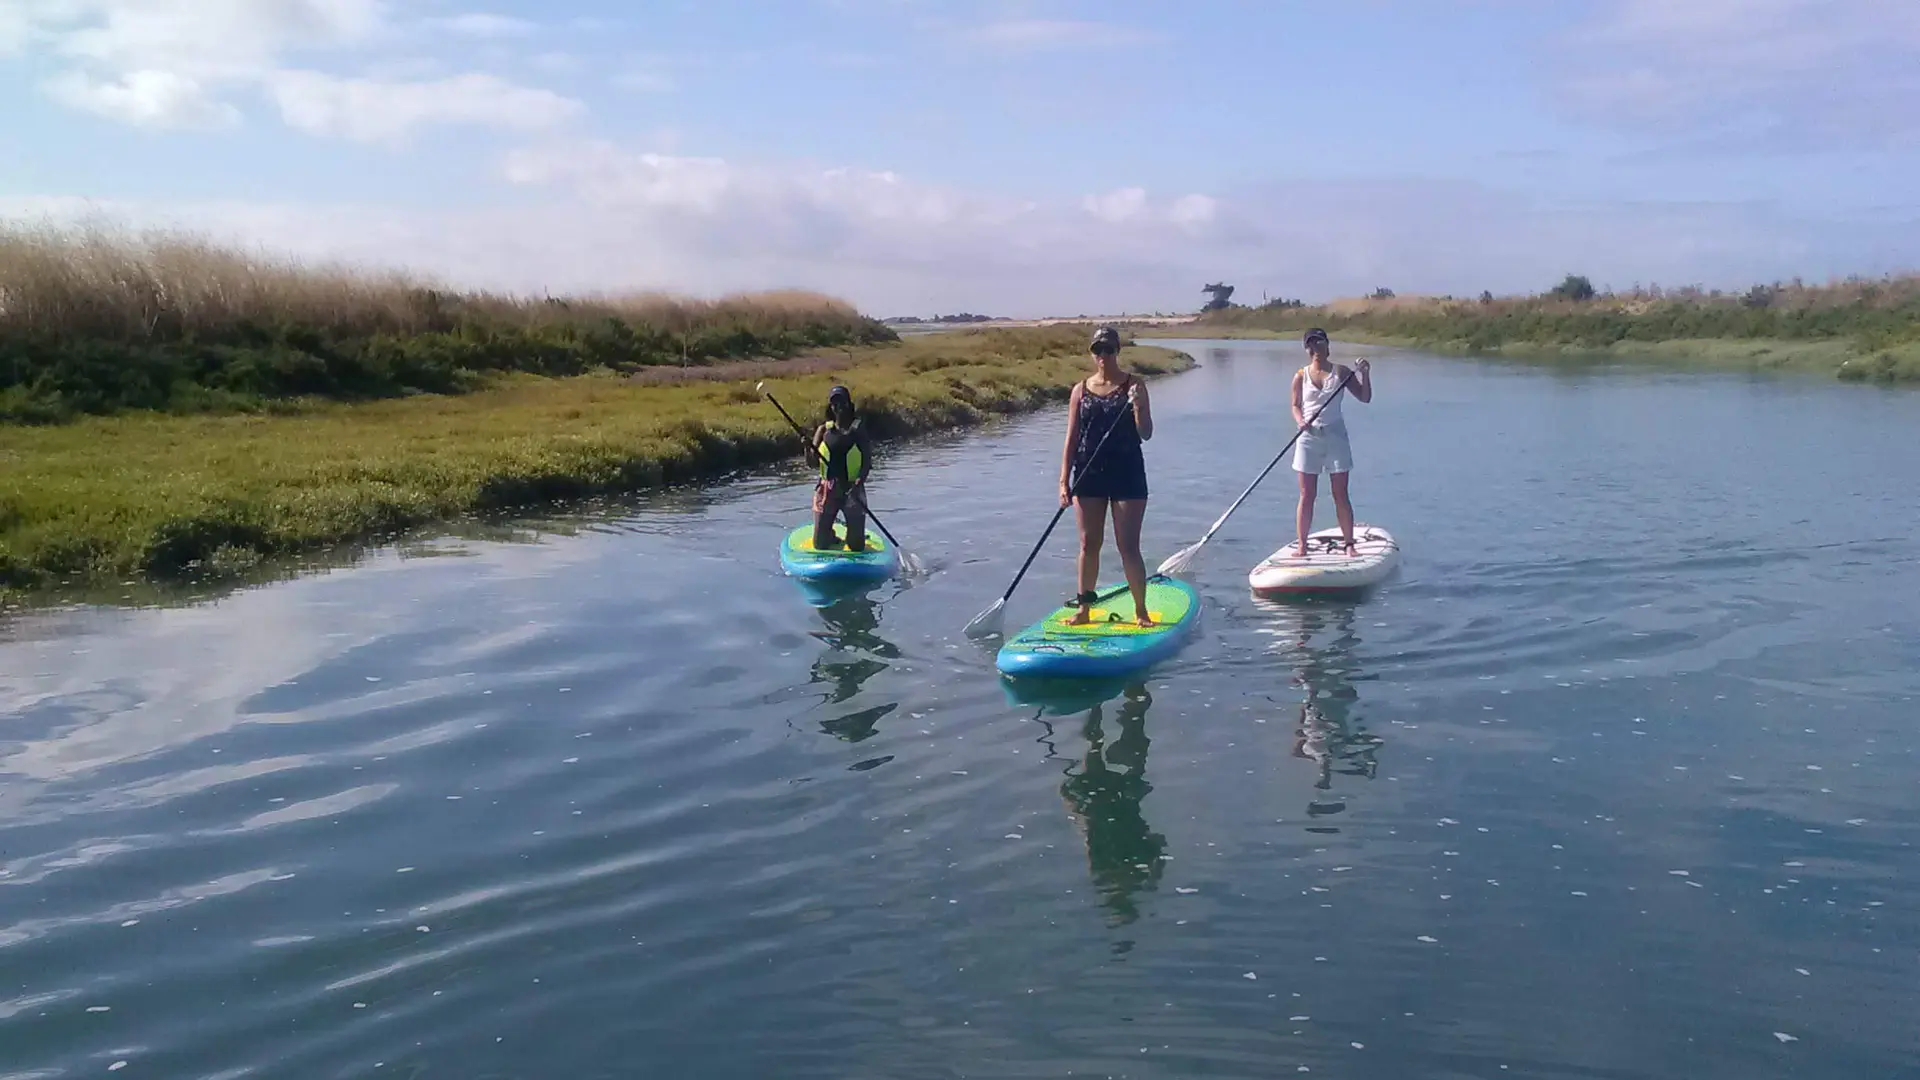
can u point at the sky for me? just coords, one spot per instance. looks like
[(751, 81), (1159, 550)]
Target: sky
[(1006, 157)]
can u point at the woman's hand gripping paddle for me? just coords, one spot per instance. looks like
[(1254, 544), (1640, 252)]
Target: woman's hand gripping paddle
[(1181, 561), (908, 561), (988, 623)]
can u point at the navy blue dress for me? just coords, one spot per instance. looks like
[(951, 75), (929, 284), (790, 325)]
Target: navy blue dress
[(1120, 472)]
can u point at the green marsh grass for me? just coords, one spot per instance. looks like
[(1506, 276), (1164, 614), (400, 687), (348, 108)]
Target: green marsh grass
[(1857, 329), (147, 496)]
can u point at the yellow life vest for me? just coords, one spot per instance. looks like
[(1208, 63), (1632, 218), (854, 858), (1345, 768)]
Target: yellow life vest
[(852, 458)]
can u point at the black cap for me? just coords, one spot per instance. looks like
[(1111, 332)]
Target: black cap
[(1105, 338), (840, 393), (1313, 335)]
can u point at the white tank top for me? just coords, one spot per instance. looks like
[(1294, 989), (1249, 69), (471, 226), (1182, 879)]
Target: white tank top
[(1312, 396)]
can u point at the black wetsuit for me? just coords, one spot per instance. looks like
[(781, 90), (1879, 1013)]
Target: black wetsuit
[(845, 456)]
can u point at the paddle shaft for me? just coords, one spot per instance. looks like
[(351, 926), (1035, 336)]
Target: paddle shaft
[(1072, 489), (815, 457), (1344, 379)]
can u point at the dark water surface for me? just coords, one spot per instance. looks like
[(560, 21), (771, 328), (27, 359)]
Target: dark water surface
[(1616, 779)]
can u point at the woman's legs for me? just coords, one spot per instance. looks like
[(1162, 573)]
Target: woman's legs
[(1128, 515), (1343, 508), (854, 513), (826, 505), (1303, 517), (1092, 515)]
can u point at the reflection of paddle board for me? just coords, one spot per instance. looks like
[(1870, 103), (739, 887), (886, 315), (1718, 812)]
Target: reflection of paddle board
[(1327, 567), (1111, 643), (800, 558), (1056, 696)]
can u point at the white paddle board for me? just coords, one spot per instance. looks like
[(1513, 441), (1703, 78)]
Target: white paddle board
[(1327, 567)]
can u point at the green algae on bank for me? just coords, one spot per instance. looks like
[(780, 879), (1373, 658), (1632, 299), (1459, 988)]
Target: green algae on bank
[(145, 496)]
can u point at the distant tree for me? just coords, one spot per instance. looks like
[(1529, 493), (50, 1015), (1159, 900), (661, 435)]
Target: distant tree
[(1486, 296), (1759, 296), (1575, 287), (1221, 293), (1383, 294)]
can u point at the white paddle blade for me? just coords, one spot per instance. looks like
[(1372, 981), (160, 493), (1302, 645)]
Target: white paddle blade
[(761, 386), (911, 563), (987, 623), (1180, 561)]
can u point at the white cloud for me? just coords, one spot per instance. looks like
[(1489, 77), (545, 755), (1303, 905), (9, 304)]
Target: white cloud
[(1116, 206), (610, 219), (646, 82), (1034, 34), (484, 25), (156, 99), (369, 110), (189, 63), (557, 63), (1794, 71)]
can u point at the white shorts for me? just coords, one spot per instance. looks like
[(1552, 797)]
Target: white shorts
[(1323, 450)]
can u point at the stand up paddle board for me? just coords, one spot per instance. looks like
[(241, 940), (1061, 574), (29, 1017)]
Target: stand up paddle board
[(1111, 643), (1327, 567), (801, 559)]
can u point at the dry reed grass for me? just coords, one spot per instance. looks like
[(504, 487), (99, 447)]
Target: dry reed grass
[(102, 282)]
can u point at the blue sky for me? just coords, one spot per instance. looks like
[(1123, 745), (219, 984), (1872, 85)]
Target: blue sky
[(1019, 158)]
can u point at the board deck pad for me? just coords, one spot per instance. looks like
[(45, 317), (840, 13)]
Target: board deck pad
[(1111, 642), (802, 559), (1327, 567)]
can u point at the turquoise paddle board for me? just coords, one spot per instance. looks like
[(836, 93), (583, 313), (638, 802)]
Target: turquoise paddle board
[(801, 559), (1111, 643)]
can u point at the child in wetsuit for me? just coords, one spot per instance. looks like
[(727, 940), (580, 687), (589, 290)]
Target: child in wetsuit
[(845, 455)]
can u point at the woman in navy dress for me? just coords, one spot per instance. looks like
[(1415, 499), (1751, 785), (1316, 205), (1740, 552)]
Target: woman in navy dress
[(1109, 400)]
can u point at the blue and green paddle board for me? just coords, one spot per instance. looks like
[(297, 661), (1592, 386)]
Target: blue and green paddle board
[(1112, 643), (801, 559)]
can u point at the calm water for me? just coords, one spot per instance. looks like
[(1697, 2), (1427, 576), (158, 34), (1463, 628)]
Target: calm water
[(1616, 780)]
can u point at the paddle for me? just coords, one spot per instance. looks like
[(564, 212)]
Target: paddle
[(988, 622), (1181, 561), (908, 561)]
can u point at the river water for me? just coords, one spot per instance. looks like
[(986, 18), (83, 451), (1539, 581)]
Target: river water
[(1616, 779)]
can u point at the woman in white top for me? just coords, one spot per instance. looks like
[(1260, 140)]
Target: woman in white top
[(1323, 448)]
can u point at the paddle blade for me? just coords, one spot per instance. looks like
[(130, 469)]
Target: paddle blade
[(987, 623), (911, 564), (1180, 561)]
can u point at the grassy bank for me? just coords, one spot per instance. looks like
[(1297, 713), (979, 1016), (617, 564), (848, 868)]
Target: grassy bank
[(96, 321), (1857, 330), (152, 496)]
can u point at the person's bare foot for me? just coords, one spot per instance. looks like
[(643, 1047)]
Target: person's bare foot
[(1300, 550), (1352, 550), (1144, 619), (1081, 618)]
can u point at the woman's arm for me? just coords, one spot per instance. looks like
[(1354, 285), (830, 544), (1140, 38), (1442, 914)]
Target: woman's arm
[(1142, 409), (1299, 418), (1073, 435), (1363, 386)]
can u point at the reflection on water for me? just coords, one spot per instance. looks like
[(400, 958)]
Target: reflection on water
[(855, 654), (1103, 792), (1319, 640)]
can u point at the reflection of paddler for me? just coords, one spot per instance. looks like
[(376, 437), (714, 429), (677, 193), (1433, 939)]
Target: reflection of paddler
[(1328, 733), (1103, 794), (857, 654)]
